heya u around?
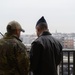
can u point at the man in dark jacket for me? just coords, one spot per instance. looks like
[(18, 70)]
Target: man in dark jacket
[(46, 51)]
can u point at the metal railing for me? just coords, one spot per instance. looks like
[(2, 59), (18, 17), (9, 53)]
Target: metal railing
[(67, 65)]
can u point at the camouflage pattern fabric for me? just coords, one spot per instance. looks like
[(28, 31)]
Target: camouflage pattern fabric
[(13, 56)]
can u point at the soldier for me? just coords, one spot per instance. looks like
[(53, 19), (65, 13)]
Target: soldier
[(46, 51), (13, 53)]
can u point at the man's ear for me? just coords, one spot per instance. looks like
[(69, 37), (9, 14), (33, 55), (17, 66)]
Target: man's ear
[(38, 28)]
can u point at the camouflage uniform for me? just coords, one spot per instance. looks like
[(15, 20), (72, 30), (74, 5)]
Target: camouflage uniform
[(13, 56)]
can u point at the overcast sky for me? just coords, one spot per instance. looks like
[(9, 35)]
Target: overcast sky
[(59, 14)]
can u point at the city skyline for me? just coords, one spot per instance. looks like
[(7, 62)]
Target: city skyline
[(59, 14)]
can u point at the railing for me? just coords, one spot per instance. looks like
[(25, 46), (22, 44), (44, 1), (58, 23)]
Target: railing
[(67, 65)]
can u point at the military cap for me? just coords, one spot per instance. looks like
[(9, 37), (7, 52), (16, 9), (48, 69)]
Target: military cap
[(41, 20), (14, 25)]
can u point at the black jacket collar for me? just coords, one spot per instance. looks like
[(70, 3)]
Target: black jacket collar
[(45, 33)]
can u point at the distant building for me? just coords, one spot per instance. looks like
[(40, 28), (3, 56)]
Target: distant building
[(28, 39), (66, 39), (68, 43)]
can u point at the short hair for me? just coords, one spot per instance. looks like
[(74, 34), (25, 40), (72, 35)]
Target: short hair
[(43, 26)]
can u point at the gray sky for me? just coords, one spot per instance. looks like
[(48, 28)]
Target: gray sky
[(59, 14)]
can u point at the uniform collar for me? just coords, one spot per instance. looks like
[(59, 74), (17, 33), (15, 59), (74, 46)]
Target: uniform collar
[(7, 36)]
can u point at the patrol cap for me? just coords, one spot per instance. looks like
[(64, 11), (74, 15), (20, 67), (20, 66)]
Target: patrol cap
[(14, 25), (41, 20)]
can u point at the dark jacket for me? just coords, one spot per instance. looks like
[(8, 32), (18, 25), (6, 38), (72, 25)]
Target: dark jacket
[(45, 55)]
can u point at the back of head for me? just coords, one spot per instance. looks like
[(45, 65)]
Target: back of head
[(41, 26), (12, 26), (42, 23)]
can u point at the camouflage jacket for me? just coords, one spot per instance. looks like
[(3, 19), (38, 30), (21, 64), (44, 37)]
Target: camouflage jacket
[(13, 56)]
